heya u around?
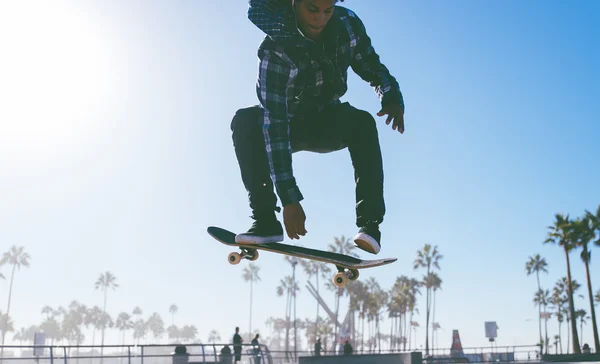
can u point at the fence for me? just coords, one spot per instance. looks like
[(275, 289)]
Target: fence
[(217, 353)]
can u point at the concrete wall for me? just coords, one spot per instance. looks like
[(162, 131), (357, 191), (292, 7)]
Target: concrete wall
[(399, 358)]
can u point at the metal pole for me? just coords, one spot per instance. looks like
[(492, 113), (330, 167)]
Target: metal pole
[(294, 262)]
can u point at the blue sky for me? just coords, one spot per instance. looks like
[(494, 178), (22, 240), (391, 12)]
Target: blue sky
[(116, 154)]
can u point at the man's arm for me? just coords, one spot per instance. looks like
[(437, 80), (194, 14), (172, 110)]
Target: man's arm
[(366, 65), (275, 74)]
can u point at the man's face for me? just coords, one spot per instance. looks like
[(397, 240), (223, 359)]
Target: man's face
[(313, 16)]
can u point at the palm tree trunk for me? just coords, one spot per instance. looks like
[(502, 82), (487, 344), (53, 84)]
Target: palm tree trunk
[(287, 323), (546, 328), (576, 347), (103, 326), (5, 324), (591, 296), (250, 323), (433, 323), (427, 321), (568, 337), (539, 307), (560, 336), (410, 331)]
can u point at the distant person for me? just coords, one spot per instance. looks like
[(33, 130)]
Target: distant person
[(586, 349), (226, 355), (256, 348), (347, 348), (318, 347), (180, 355), (237, 345), (304, 59)]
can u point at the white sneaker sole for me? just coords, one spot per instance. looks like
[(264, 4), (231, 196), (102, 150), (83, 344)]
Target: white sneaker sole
[(251, 239), (367, 243)]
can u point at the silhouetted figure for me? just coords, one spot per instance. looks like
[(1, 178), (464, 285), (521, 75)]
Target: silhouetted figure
[(226, 355), (180, 355), (256, 348), (347, 348), (237, 345), (585, 349), (318, 347)]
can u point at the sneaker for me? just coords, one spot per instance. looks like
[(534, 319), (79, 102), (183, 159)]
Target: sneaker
[(262, 232), (368, 238)]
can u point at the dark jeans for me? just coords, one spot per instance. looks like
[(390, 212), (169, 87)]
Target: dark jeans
[(336, 127)]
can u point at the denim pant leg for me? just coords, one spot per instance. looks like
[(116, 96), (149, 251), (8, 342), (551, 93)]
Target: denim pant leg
[(339, 126), (249, 145)]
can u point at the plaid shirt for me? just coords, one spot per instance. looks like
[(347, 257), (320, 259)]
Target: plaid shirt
[(298, 76)]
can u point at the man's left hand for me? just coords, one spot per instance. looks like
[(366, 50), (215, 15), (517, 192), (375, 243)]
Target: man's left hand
[(394, 112)]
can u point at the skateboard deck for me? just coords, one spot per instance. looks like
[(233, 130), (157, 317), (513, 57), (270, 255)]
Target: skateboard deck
[(347, 266)]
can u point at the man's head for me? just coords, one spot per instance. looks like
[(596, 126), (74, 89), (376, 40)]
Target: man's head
[(237, 329), (313, 15)]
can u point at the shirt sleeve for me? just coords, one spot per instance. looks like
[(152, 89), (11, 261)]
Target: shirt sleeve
[(274, 18), (366, 65), (275, 75)]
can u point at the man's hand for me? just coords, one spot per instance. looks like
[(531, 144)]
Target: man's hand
[(395, 112), (293, 219)]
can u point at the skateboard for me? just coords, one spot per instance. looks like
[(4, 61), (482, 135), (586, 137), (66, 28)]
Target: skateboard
[(347, 266)]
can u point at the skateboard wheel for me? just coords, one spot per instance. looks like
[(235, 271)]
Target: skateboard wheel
[(254, 255), (340, 279), (234, 258), (352, 274)]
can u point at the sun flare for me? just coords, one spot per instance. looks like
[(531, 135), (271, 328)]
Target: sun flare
[(54, 68)]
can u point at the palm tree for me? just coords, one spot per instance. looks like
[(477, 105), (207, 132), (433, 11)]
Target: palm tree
[(123, 324), (214, 336), (251, 275), (173, 309), (559, 234), (582, 316), (105, 281), (586, 231), (316, 269), (434, 282), (428, 258), (537, 264), (156, 326), (188, 333), (173, 333), (288, 287), (558, 301), (17, 257), (540, 299), (138, 325), (7, 323), (343, 246), (77, 313)]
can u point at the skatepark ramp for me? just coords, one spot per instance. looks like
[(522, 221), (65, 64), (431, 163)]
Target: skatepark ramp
[(396, 358)]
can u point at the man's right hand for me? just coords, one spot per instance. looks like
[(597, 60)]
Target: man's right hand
[(293, 219)]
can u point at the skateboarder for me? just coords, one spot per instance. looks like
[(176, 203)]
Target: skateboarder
[(303, 63)]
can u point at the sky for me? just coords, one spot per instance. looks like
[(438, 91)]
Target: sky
[(116, 155)]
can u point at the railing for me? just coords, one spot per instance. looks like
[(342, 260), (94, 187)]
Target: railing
[(134, 354), (215, 353)]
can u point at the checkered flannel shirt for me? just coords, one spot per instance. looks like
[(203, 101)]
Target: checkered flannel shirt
[(298, 76)]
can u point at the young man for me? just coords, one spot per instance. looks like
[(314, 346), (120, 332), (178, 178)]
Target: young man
[(304, 60)]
